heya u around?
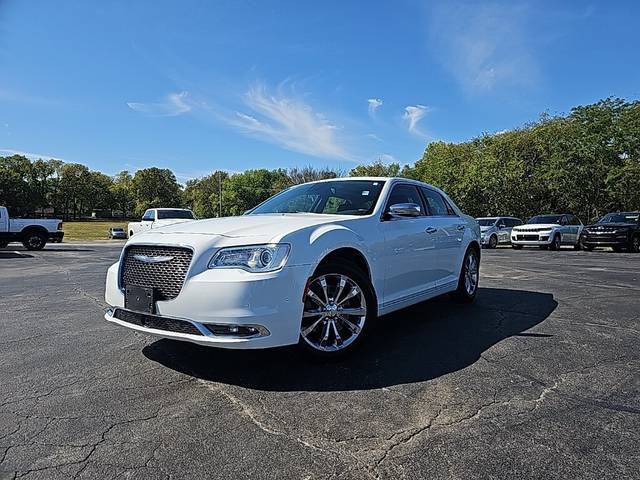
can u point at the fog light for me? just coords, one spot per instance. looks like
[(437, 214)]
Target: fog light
[(235, 330)]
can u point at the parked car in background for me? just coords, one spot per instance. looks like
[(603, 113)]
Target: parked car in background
[(620, 230), (160, 217), (548, 231), (497, 230), (117, 233), (34, 233), (313, 265)]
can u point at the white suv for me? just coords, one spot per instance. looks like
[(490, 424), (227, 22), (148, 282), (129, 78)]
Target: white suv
[(312, 265), (548, 231)]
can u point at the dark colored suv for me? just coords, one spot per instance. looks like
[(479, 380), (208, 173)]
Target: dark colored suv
[(619, 230)]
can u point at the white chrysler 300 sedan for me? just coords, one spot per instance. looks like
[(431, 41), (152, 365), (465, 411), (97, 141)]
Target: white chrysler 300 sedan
[(314, 265)]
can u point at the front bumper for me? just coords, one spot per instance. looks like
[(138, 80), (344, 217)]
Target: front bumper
[(531, 238), (604, 240), (271, 302)]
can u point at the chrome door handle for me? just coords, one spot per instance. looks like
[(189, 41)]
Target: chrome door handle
[(431, 230), (461, 227)]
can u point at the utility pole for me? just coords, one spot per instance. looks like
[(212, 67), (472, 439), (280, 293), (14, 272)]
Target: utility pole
[(220, 193)]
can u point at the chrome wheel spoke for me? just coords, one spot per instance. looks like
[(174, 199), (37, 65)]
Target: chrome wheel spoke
[(337, 336), (312, 313), (312, 295), (311, 328), (360, 311), (325, 332), (354, 291), (351, 326), (323, 284), (341, 284)]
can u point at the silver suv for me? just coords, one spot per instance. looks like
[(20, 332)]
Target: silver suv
[(495, 230)]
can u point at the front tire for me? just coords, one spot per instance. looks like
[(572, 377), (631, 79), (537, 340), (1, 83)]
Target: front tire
[(3, 244), (34, 241), (516, 247), (339, 308), (469, 277), (634, 244), (556, 242), (493, 241)]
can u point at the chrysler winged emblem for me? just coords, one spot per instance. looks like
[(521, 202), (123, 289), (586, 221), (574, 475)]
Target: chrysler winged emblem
[(150, 259)]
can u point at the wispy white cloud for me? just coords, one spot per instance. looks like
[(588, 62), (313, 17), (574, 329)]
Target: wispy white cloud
[(412, 115), (287, 121), (374, 104), (373, 136), (484, 45), (387, 158), (29, 155), (172, 105)]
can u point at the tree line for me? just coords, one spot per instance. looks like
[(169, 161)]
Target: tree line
[(586, 162)]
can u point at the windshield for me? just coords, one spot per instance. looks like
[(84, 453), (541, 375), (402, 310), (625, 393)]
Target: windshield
[(346, 197), (545, 219), (486, 222), (164, 214), (117, 230), (620, 218)]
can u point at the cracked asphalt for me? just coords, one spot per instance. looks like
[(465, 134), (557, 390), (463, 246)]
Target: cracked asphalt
[(540, 378)]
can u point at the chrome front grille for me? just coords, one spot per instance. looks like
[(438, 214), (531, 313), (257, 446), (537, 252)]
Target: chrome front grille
[(154, 266)]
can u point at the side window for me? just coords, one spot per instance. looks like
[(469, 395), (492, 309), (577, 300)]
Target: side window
[(563, 220), (516, 222), (404, 193), (436, 204), (148, 215)]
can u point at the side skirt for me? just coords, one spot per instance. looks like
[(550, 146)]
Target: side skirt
[(418, 297)]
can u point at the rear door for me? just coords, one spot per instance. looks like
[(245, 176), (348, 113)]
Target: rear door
[(409, 253), (447, 231)]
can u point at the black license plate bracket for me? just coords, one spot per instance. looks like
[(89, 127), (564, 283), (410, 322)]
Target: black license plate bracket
[(139, 299)]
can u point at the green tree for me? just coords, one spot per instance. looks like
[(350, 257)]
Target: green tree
[(376, 169), (155, 187), (122, 193)]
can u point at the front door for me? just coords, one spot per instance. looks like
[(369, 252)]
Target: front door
[(409, 252)]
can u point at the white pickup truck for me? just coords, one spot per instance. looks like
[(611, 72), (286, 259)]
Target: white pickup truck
[(160, 217), (34, 233)]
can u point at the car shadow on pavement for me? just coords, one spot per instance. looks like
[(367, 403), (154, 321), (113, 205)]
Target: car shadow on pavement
[(415, 344), (14, 254)]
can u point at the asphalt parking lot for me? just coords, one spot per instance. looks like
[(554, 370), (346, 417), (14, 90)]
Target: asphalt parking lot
[(540, 378)]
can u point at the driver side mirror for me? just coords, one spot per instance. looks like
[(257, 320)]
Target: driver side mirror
[(405, 210), (501, 226)]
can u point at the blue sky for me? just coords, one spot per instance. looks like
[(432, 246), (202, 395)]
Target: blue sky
[(202, 85)]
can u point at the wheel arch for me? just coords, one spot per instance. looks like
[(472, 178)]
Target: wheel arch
[(350, 255), (34, 229)]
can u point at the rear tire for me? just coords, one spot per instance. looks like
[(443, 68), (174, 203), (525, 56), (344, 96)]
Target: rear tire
[(34, 241), (3, 244), (469, 277), (324, 332)]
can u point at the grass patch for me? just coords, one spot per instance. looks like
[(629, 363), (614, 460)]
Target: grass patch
[(90, 230)]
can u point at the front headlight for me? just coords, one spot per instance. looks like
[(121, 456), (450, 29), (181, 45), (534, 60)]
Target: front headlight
[(252, 258)]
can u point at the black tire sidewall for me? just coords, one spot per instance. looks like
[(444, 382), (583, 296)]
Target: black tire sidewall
[(461, 295), (493, 241), (556, 242), (364, 283)]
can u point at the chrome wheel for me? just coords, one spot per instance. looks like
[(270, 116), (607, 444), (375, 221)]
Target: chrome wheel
[(335, 311), (470, 273)]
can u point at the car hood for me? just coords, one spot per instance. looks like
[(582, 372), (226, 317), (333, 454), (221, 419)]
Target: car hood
[(611, 225), (484, 229), (537, 226), (272, 225)]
